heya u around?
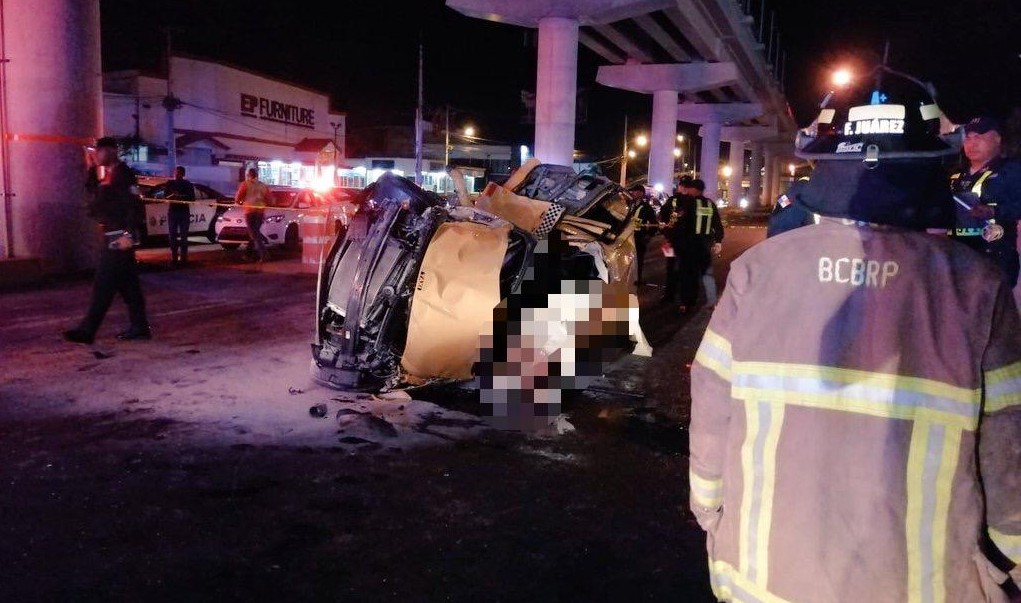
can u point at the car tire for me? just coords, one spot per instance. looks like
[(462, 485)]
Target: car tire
[(291, 242), (230, 246), (211, 231)]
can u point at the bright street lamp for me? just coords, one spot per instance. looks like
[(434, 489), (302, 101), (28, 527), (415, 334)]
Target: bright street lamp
[(677, 153), (680, 138), (469, 131), (727, 171), (841, 78), (641, 140), (631, 154)]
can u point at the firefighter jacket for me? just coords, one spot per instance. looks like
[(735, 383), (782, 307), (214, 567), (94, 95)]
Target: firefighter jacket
[(856, 420)]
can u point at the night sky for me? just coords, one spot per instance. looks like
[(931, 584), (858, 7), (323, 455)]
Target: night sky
[(364, 54)]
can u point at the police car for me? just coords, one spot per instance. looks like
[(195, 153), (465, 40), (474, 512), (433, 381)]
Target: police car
[(289, 207), (209, 205)]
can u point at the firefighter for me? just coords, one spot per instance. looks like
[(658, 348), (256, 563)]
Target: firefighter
[(987, 194), (856, 418)]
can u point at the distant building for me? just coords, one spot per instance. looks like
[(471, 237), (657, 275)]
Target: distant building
[(230, 119), (376, 149)]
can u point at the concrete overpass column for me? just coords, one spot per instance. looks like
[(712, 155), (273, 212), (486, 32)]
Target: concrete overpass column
[(769, 176), (54, 106), (556, 90), (663, 139), (755, 178), (709, 166), (737, 172)]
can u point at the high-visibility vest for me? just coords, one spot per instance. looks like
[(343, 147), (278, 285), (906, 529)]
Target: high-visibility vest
[(976, 188)]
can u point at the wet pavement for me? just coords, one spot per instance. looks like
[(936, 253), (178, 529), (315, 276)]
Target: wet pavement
[(189, 468)]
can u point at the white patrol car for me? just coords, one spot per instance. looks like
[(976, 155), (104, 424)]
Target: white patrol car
[(209, 205), (280, 225)]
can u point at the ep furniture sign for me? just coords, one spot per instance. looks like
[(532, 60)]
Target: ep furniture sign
[(271, 110)]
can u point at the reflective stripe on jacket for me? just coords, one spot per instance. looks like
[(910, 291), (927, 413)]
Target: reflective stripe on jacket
[(838, 399)]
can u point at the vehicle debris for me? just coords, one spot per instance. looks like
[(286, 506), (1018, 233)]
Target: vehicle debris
[(526, 293)]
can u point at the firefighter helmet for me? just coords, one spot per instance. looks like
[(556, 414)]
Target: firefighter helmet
[(891, 116), (878, 152)]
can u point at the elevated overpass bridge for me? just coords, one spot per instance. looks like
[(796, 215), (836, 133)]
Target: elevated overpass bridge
[(714, 63)]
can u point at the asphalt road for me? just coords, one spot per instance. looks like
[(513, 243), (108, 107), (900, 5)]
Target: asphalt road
[(188, 468)]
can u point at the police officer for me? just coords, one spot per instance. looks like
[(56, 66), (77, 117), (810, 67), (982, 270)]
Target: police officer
[(856, 406), (788, 214), (115, 204), (179, 215), (987, 195), (646, 225), (669, 215), (698, 238)]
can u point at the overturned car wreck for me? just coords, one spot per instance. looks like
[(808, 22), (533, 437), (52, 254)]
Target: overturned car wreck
[(525, 293)]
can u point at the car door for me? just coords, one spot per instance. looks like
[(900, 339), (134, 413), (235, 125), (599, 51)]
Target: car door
[(156, 212)]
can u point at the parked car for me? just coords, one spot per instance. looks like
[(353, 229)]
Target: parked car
[(281, 224), (209, 205)]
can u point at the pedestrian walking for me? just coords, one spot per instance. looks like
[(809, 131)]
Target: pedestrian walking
[(856, 411), (254, 196), (115, 204), (181, 194), (987, 195)]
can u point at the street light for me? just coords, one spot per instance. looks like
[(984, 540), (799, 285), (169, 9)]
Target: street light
[(641, 140), (469, 131), (677, 153), (727, 171), (631, 154), (680, 138), (842, 77)]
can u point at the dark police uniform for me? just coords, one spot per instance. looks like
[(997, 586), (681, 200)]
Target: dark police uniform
[(179, 217), (645, 222), (669, 214), (116, 206), (788, 214), (699, 228), (998, 185)]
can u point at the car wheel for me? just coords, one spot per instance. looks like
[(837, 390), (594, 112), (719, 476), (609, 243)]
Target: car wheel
[(211, 232), (230, 246), (291, 242)]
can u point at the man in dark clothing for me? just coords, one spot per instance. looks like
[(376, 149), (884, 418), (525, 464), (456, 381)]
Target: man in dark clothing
[(646, 225), (697, 237), (115, 205), (987, 193), (788, 214), (179, 215), (669, 214)]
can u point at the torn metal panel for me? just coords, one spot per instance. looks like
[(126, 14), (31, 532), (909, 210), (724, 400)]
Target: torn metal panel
[(537, 273)]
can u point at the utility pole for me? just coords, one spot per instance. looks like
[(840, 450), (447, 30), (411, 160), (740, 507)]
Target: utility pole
[(171, 104), (418, 121), (446, 146), (623, 157), (336, 149)]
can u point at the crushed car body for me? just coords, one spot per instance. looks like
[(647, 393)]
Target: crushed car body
[(528, 289)]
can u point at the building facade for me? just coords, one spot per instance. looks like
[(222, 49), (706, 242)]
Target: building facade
[(228, 119)]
